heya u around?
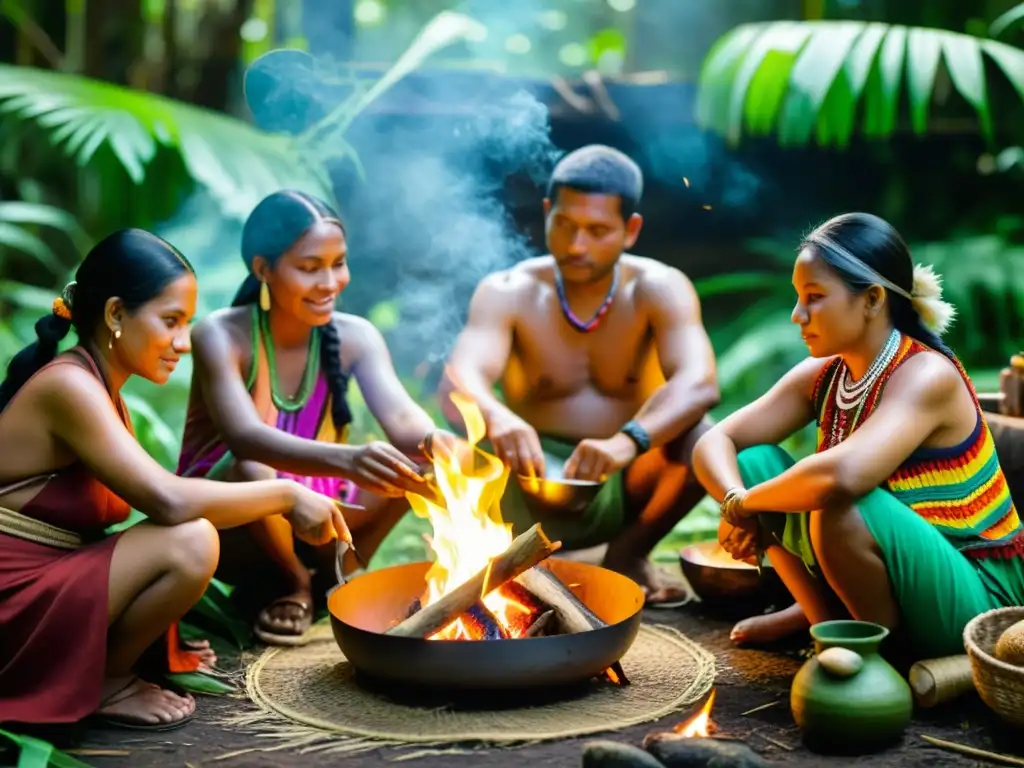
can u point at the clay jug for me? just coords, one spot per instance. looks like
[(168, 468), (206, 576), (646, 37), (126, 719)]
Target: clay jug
[(850, 699)]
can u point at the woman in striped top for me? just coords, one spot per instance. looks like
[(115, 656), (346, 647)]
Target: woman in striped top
[(903, 512)]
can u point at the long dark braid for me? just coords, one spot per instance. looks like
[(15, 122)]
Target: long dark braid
[(274, 226)]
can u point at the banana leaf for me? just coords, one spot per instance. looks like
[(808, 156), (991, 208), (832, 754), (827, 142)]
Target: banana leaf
[(821, 81)]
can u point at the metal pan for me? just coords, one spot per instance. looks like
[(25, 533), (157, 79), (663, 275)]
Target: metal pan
[(365, 607)]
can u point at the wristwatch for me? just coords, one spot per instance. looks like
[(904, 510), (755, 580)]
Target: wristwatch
[(637, 434)]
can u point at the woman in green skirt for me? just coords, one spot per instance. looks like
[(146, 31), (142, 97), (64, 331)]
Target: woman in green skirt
[(902, 516)]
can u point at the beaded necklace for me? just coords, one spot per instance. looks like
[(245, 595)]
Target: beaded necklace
[(851, 396), (592, 323), (298, 401)]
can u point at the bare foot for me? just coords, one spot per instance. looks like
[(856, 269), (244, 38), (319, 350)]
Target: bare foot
[(201, 648), (286, 619), (761, 630), (133, 701), (660, 588)]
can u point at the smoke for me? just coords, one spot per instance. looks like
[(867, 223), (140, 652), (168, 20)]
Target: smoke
[(432, 210), (428, 222)]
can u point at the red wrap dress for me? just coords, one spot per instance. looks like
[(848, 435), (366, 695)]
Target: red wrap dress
[(53, 601)]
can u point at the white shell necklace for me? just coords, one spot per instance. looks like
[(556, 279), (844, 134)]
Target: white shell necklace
[(851, 394)]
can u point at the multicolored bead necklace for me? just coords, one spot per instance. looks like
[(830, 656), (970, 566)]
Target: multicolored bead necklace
[(851, 396), (592, 323)]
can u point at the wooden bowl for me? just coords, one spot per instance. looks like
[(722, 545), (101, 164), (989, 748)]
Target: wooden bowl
[(729, 585)]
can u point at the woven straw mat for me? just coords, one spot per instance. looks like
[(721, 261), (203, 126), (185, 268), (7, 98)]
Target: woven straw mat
[(312, 687)]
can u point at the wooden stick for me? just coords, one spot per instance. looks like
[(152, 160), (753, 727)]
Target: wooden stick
[(758, 709), (538, 626), (525, 552), (573, 615), (952, 746)]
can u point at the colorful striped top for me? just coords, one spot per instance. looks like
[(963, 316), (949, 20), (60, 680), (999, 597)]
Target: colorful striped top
[(960, 490)]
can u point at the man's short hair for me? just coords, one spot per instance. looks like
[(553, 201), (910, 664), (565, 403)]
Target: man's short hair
[(599, 170)]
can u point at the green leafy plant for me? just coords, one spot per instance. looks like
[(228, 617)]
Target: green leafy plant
[(36, 753), (821, 80), (235, 161)]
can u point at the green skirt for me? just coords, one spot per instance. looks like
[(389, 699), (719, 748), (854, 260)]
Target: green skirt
[(938, 589), (602, 520)]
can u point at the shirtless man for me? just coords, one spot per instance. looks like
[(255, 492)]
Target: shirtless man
[(623, 395)]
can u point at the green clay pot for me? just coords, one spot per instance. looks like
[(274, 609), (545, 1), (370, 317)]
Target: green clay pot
[(854, 702)]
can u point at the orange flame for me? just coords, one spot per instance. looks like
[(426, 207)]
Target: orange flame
[(700, 725), (468, 531)]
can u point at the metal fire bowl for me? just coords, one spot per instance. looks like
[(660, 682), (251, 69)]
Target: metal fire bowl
[(369, 604)]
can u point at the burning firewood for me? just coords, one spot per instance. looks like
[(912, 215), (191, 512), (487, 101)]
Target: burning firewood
[(573, 616), (525, 552), (540, 624), (485, 623)]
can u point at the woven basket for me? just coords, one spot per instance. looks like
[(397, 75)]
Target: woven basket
[(1000, 685)]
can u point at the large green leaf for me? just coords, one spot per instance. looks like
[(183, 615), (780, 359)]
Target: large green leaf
[(237, 162), (807, 81), (19, 222)]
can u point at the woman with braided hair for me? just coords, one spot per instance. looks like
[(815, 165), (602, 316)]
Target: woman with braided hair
[(269, 400), (902, 517), (78, 609)]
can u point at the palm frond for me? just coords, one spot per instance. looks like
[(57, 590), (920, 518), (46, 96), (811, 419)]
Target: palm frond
[(804, 81), (1012, 18), (238, 163), (18, 222)]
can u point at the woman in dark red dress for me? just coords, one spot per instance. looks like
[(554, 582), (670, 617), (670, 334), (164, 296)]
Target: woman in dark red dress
[(78, 609)]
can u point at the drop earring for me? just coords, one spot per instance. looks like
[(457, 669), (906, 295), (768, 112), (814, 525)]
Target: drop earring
[(264, 297), (114, 335)]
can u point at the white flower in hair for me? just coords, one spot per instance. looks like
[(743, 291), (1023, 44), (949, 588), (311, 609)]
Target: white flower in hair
[(926, 298)]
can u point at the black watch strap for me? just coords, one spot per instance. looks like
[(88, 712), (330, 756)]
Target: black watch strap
[(637, 434)]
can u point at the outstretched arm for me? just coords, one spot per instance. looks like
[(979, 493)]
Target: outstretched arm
[(686, 356), (481, 351), (916, 404), (216, 365), (404, 422), (378, 467), (79, 413), (781, 411), (478, 360)]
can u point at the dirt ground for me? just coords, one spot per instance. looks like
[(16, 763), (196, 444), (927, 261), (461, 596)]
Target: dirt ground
[(746, 680)]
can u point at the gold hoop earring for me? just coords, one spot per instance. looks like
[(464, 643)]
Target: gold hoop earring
[(264, 297)]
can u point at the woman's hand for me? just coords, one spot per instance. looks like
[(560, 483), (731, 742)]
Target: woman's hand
[(732, 506), (317, 519), (740, 540), (440, 442), (382, 469)]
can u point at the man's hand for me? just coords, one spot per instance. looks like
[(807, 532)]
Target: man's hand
[(740, 540), (516, 443), (595, 460)]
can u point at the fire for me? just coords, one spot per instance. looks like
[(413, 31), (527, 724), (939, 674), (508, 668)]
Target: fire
[(700, 725), (469, 532)]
